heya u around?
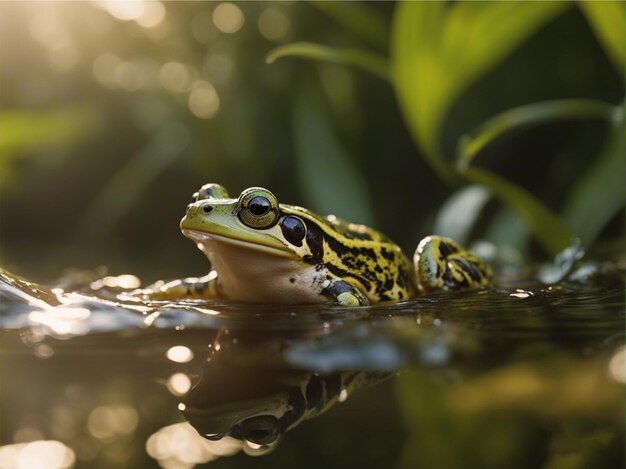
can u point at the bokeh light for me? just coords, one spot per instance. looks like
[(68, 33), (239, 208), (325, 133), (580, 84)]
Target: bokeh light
[(179, 445), (49, 454), (106, 422), (228, 18), (175, 77), (147, 14), (274, 24), (203, 100), (179, 354), (178, 384)]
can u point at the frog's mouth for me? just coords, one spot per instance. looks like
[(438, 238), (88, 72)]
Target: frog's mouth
[(207, 241)]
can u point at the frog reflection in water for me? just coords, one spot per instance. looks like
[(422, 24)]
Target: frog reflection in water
[(263, 251), (249, 393)]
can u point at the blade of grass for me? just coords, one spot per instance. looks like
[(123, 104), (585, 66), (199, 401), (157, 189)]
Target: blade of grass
[(371, 62), (550, 231), (599, 194), (514, 119)]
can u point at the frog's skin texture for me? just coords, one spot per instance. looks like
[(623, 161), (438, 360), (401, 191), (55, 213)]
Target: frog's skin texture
[(263, 251)]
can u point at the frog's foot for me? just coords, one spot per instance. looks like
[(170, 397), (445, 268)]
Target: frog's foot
[(193, 287), (346, 295), (442, 264)]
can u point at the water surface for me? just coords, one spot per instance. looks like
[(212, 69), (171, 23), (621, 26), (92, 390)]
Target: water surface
[(523, 375)]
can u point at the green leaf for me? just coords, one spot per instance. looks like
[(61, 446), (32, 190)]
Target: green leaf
[(599, 194), (439, 49), (459, 213), (22, 132), (330, 180), (549, 230), (531, 115), (25, 130), (608, 21), (361, 19), (371, 62)]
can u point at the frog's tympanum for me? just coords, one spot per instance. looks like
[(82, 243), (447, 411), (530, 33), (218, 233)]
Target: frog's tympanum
[(263, 251), (247, 392)]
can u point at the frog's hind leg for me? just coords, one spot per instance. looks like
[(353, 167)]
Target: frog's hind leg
[(442, 264), (206, 287)]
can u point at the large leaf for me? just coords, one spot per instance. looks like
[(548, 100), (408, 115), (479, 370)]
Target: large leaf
[(599, 194), (331, 182), (549, 230), (368, 61), (608, 21), (361, 19), (439, 49)]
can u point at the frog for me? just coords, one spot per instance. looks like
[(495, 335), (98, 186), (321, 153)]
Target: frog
[(264, 251)]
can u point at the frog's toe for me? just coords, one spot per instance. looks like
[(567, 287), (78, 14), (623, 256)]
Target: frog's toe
[(442, 264), (348, 299)]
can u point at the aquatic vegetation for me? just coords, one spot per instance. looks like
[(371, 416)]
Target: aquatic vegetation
[(437, 51)]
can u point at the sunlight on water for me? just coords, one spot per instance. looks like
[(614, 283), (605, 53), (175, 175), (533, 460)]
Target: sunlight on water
[(179, 354), (105, 422), (98, 369), (180, 446), (178, 384), (617, 365), (36, 455)]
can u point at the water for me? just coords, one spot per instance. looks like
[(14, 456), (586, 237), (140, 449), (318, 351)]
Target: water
[(524, 375)]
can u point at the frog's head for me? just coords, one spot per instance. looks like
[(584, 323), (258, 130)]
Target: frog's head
[(252, 221)]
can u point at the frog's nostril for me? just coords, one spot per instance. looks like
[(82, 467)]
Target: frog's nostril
[(207, 208)]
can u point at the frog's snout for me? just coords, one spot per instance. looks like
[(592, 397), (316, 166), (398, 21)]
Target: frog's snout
[(194, 209)]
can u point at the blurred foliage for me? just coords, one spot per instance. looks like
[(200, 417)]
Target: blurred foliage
[(114, 113), (556, 413), (24, 132), (439, 50)]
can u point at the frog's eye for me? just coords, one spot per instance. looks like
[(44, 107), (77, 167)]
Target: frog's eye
[(261, 430), (258, 208), (293, 230)]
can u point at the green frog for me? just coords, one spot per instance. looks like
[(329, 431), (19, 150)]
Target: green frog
[(263, 251)]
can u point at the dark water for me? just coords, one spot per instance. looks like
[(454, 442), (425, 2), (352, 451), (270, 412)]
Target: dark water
[(524, 375)]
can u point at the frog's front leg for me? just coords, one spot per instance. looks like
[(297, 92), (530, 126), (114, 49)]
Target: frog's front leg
[(346, 294), (206, 287), (442, 264)]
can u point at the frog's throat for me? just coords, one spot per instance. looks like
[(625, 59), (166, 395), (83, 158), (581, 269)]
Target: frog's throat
[(204, 239)]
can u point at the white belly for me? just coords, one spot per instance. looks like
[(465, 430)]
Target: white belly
[(245, 274)]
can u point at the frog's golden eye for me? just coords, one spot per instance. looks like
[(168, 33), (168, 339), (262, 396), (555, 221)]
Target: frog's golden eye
[(293, 230), (258, 208)]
